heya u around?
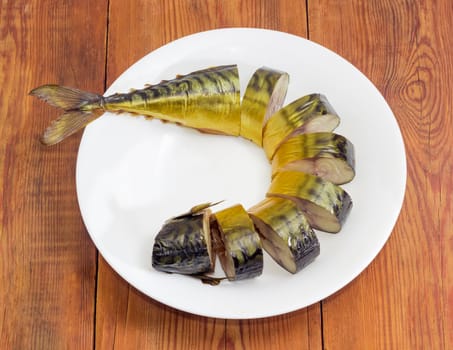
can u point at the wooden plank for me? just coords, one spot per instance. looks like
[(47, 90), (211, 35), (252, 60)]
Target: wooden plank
[(283, 15), (296, 330), (141, 26), (435, 71), (47, 260), (403, 298), (128, 319), (124, 316)]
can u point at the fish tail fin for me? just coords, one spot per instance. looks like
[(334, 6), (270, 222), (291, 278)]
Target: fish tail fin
[(67, 98), (67, 124), (80, 108)]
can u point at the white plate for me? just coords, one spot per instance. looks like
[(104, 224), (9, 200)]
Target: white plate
[(133, 174)]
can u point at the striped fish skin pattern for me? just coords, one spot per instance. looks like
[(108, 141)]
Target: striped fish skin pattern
[(264, 95), (243, 255), (207, 99), (320, 144), (332, 200), (296, 117), (288, 236), (315, 146), (181, 246)]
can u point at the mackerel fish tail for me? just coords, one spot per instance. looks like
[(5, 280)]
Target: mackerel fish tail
[(80, 108)]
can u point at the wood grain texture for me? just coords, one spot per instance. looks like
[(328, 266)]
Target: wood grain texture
[(138, 27), (404, 299), (296, 330), (55, 293), (127, 319), (47, 261)]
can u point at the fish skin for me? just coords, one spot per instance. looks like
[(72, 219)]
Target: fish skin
[(288, 237), (314, 146), (243, 255), (181, 246), (264, 95), (295, 117), (334, 201), (207, 100)]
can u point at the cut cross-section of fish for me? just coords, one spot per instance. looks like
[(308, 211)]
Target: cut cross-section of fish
[(183, 245), (310, 113), (324, 154), (264, 95), (286, 233), (325, 204), (242, 255)]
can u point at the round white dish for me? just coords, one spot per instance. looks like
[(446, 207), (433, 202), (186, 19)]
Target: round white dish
[(133, 174)]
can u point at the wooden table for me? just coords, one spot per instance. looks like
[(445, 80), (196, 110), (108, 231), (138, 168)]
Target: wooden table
[(57, 292)]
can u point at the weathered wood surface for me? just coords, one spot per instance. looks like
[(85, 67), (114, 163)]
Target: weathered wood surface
[(56, 292), (404, 299)]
